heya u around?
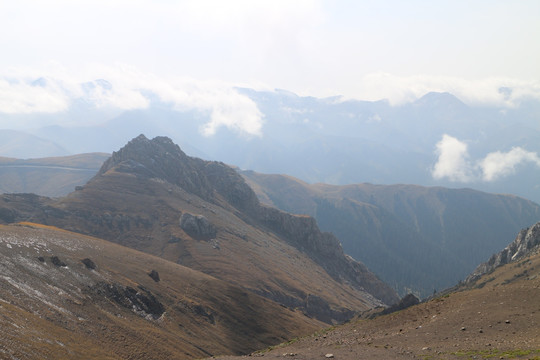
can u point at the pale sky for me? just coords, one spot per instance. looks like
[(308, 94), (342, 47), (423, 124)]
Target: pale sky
[(365, 50)]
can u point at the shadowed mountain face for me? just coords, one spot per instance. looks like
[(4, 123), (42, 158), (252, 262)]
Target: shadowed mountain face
[(65, 295), (152, 197), (415, 238)]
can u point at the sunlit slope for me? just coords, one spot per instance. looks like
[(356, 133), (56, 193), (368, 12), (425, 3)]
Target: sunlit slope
[(65, 295)]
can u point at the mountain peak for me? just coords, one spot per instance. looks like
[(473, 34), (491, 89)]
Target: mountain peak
[(149, 154), (439, 99), (159, 158)]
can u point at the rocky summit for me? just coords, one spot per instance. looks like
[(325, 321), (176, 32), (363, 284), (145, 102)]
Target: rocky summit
[(152, 197)]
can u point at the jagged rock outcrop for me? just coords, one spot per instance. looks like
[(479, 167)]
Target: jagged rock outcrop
[(141, 301), (197, 226), (527, 241), (160, 158), (317, 307), (303, 233)]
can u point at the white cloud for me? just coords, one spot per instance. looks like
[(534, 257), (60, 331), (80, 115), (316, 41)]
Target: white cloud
[(234, 111), (225, 106), (403, 89), (126, 88), (20, 97), (499, 164), (102, 93), (454, 164)]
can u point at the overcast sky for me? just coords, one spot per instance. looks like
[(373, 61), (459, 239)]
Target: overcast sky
[(192, 53), (359, 49)]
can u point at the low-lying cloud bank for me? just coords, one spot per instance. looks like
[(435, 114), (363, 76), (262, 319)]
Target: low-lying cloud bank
[(129, 89), (454, 162), (494, 91), (56, 90)]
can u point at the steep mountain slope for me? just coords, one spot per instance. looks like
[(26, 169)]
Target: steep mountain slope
[(57, 176), (65, 295), (152, 197), (415, 238), (495, 317)]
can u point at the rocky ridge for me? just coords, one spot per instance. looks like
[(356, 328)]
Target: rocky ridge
[(152, 197), (526, 243), (162, 159)]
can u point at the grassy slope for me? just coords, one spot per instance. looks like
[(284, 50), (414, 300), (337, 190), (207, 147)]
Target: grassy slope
[(59, 312), (498, 317), (242, 253)]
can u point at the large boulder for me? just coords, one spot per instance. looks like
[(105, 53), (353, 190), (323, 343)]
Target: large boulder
[(197, 226)]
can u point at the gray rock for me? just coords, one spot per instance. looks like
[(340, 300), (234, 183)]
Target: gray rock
[(154, 275), (197, 226), (527, 241), (57, 262), (407, 301), (140, 300), (89, 263)]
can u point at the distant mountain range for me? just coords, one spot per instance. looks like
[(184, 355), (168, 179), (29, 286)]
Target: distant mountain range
[(495, 148)]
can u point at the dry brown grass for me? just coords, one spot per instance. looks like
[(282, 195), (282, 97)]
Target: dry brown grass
[(499, 317), (57, 312)]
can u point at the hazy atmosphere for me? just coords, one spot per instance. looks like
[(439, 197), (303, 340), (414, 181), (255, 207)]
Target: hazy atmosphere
[(182, 49), (210, 64), (289, 179)]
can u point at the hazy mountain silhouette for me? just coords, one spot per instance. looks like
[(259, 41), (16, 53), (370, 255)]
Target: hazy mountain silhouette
[(328, 139)]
